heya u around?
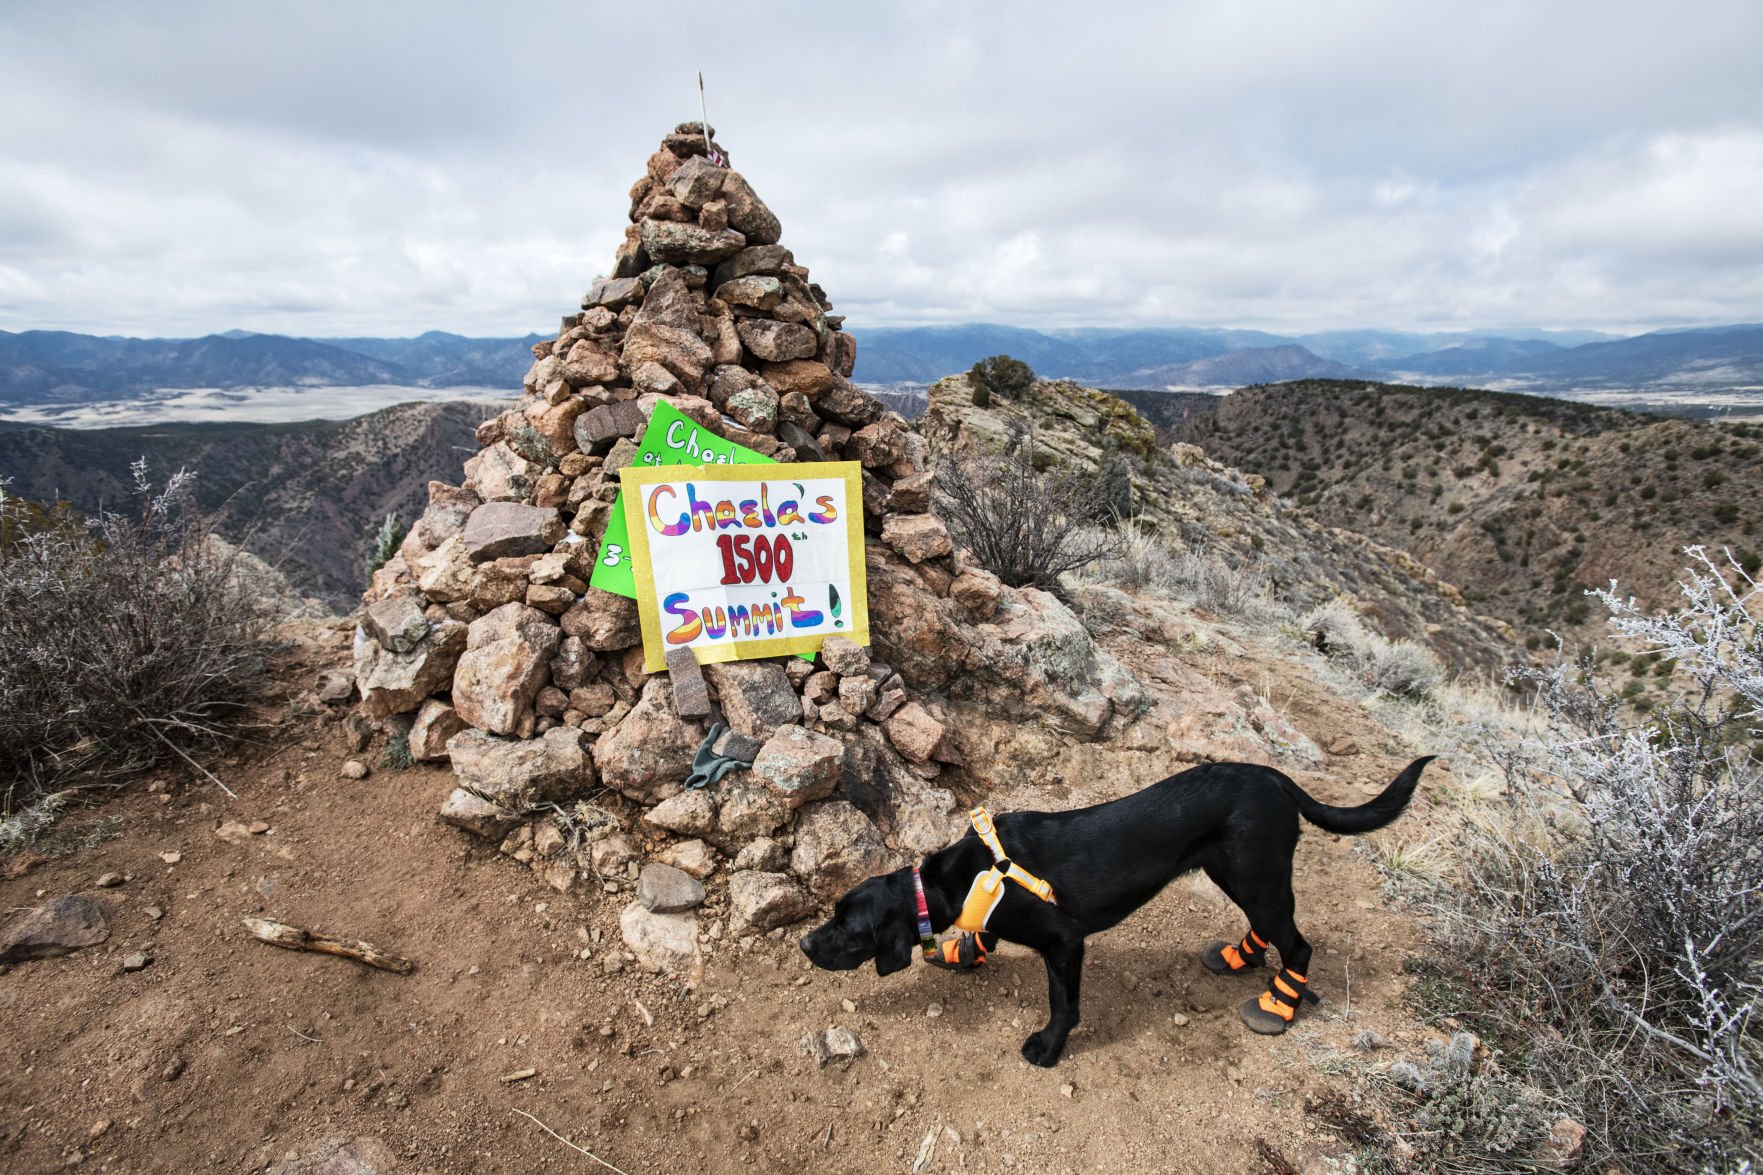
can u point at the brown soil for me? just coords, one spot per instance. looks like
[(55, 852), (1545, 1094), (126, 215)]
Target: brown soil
[(226, 1054)]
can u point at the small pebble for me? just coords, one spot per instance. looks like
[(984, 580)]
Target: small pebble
[(848, 1005), (154, 912), (1179, 1020), (354, 769), (136, 961), (171, 858), (934, 1011), (110, 880)]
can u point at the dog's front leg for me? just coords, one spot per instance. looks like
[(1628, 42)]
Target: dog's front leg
[(1065, 965)]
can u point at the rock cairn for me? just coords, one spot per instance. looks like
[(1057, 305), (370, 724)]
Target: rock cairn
[(482, 642)]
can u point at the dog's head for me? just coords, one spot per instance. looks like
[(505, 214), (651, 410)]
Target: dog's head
[(877, 920)]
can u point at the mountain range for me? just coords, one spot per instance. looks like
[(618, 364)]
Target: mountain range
[(62, 368), (59, 367), (1702, 360)]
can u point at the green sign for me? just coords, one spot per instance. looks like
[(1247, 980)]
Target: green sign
[(672, 438)]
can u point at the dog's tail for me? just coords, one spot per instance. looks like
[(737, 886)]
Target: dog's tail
[(1367, 817)]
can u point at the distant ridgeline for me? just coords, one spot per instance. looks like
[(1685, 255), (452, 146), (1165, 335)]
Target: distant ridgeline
[(1696, 372), (57, 367)]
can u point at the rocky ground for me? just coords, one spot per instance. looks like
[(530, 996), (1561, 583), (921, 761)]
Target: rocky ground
[(222, 1053)]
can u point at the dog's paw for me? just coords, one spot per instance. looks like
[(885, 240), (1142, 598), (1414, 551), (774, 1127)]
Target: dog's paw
[(1043, 1049)]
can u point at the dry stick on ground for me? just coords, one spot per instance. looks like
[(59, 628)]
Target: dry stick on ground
[(280, 934), (572, 1146)]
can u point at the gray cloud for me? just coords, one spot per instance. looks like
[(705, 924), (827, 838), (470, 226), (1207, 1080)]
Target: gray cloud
[(336, 168)]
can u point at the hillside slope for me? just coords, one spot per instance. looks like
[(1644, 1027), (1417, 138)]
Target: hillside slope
[(1216, 512), (1521, 501), (303, 496)]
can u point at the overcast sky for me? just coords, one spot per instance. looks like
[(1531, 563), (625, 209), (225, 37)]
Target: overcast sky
[(374, 168)]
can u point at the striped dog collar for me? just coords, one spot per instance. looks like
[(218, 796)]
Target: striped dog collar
[(927, 937)]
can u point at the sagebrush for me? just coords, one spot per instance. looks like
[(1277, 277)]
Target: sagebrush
[(1610, 928), (124, 641)]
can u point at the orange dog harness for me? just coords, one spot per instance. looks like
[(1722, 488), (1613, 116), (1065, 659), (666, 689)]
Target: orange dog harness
[(987, 889)]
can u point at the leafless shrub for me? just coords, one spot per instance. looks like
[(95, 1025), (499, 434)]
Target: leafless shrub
[(1613, 925), (122, 643), (1025, 525), (1219, 586), (1141, 562)]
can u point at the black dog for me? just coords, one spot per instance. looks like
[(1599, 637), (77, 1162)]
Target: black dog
[(1237, 821)]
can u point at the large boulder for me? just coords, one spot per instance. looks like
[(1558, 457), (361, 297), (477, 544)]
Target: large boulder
[(766, 259), (836, 847), (396, 683), (747, 213), (436, 722), (691, 813), (468, 810), (445, 574), (664, 889), (916, 536), (605, 622), (398, 623), (499, 474), (518, 774), (757, 697), (504, 666), (746, 811), (648, 755), (676, 348), (673, 242), (696, 182), (777, 341), (661, 942), (911, 627), (799, 765), (55, 928), (914, 733), (497, 530), (448, 508), (1037, 653), (763, 901)]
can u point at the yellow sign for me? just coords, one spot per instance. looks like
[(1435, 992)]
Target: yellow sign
[(738, 562)]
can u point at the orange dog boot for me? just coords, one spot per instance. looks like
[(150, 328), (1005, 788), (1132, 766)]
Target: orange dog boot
[(1232, 958), (1271, 1012), (964, 952)]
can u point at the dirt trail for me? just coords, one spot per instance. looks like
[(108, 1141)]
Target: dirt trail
[(225, 1054)]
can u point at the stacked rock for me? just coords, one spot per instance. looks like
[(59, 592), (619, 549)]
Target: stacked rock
[(484, 635)]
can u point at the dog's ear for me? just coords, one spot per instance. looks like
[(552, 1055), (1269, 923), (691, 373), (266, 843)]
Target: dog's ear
[(893, 948)]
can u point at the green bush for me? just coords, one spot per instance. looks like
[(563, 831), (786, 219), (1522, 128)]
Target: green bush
[(385, 543), (1001, 376)]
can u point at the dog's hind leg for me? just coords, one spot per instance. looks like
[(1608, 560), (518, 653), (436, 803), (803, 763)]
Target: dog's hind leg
[(1233, 958), (1065, 964), (1271, 907)]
